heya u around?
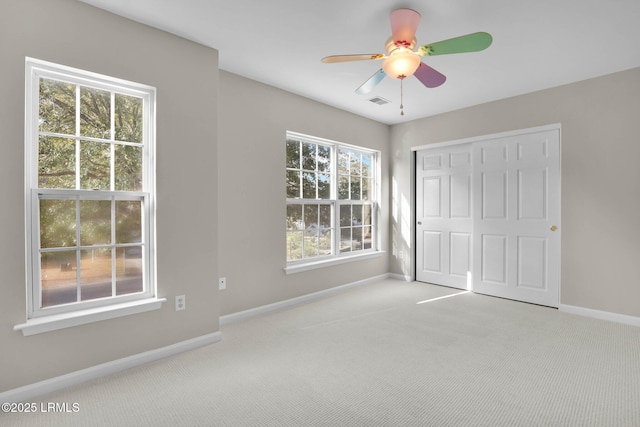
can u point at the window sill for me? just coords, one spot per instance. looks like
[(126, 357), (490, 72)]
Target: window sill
[(297, 268), (82, 317)]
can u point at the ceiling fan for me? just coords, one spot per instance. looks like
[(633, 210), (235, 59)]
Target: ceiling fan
[(402, 61)]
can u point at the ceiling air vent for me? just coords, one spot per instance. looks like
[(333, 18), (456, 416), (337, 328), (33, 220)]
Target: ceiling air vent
[(380, 101)]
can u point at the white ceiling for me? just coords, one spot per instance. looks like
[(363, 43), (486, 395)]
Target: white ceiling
[(537, 44)]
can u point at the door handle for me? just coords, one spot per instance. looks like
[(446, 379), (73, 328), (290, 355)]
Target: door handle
[(553, 228), (419, 222)]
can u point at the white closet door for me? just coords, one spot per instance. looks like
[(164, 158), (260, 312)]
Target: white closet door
[(516, 238), (443, 215)]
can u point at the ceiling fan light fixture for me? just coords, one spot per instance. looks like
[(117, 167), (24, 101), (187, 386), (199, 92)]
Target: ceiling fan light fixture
[(401, 64)]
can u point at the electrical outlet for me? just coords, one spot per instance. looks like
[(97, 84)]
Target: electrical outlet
[(181, 302), (222, 283), (401, 254)]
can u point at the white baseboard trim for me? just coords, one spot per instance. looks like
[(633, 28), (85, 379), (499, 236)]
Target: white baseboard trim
[(602, 315), (30, 391), (402, 277), (252, 312)]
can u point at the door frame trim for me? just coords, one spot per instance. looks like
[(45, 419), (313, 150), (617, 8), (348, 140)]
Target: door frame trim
[(555, 126)]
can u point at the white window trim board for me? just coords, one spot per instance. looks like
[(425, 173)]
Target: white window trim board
[(312, 265), (54, 322)]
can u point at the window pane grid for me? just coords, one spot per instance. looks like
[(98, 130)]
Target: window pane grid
[(89, 268), (341, 176), (356, 226), (99, 118), (89, 148), (309, 230), (355, 175), (308, 170)]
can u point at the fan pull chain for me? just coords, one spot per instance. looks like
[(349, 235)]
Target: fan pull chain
[(401, 99)]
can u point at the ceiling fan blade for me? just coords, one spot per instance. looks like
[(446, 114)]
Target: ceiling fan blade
[(469, 43), (428, 76), (404, 23), (372, 82), (357, 57)]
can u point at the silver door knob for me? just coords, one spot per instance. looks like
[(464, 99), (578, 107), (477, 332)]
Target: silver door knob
[(419, 222)]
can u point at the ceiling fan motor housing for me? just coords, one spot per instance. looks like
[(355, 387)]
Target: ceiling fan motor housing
[(392, 45), (402, 62)]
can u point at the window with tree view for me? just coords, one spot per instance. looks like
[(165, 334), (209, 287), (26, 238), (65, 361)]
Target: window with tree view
[(331, 199), (90, 182)]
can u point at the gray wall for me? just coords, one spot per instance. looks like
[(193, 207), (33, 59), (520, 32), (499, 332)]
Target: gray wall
[(600, 179), (186, 77), (253, 121)]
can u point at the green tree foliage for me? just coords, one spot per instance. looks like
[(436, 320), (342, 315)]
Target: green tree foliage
[(128, 221), (95, 113), (57, 107), (308, 170), (57, 223), (95, 222), (354, 175), (56, 162), (128, 118)]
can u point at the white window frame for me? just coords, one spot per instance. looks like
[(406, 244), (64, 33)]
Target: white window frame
[(41, 319), (336, 256)]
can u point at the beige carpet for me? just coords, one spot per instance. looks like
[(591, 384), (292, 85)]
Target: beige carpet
[(372, 356)]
